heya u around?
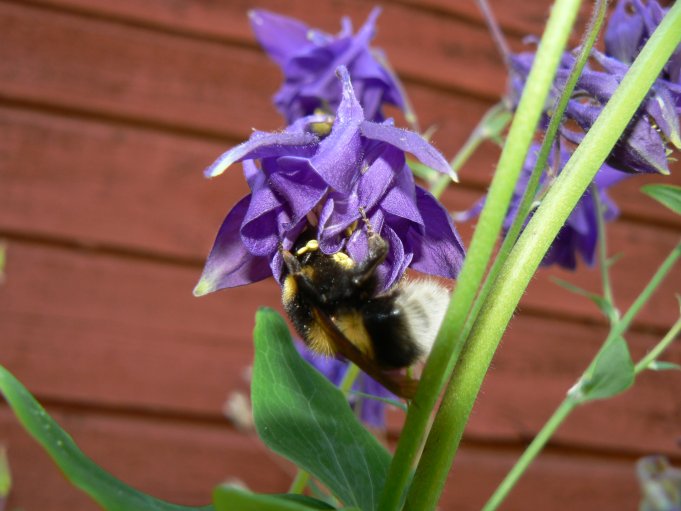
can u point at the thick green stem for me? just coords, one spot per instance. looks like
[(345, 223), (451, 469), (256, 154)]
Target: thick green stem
[(530, 192), (527, 254), (448, 344)]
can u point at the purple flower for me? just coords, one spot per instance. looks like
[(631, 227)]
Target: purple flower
[(579, 235), (318, 174), (371, 411), (309, 59), (645, 144)]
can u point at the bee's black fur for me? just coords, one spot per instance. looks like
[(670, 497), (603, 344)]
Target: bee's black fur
[(334, 289)]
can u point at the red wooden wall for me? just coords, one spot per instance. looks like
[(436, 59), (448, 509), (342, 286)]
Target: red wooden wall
[(109, 111)]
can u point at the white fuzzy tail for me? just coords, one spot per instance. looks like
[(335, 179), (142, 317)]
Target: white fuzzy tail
[(424, 303)]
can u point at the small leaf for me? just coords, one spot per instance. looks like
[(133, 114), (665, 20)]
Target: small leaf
[(668, 195), (611, 373), (660, 365), (230, 498), (299, 414), (110, 493), (603, 305)]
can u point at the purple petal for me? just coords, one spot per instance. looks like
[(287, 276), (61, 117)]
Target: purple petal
[(298, 184), (281, 37), (265, 145), (229, 263), (624, 34), (400, 200), (440, 251), (339, 212), (409, 142), (340, 154), (379, 177)]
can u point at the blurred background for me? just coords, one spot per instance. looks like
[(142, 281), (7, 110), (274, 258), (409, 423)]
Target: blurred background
[(109, 112)]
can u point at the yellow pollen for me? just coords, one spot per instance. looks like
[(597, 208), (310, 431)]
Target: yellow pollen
[(310, 246)]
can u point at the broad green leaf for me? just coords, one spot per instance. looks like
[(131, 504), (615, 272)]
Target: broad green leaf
[(611, 373), (109, 492), (668, 195), (299, 414), (386, 400), (659, 365), (230, 498)]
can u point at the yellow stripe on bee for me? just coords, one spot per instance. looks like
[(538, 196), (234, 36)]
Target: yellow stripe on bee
[(352, 326), (290, 289), (319, 342)]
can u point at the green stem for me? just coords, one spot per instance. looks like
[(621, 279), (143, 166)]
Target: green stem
[(641, 299), (532, 186), (565, 409), (527, 254), (603, 264), (659, 348), (570, 402), (448, 344)]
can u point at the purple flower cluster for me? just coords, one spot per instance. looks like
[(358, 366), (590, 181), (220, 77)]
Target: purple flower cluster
[(645, 145), (643, 148), (319, 173), (309, 58)]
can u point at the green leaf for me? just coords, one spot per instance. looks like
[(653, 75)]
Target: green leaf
[(668, 195), (611, 373), (299, 414), (231, 498), (660, 365), (603, 305), (110, 493)]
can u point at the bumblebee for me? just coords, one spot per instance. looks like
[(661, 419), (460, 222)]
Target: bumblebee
[(337, 307)]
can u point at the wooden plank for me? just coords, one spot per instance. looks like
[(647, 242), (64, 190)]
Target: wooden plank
[(182, 462), (136, 73), (177, 461), (126, 334), (221, 19)]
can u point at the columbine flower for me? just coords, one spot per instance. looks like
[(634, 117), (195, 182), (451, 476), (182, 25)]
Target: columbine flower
[(579, 235), (309, 58), (371, 411), (302, 178), (644, 145)]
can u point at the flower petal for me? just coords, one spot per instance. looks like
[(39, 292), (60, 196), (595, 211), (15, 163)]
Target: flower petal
[(340, 154), (281, 37), (409, 142), (229, 263), (440, 250), (264, 145)]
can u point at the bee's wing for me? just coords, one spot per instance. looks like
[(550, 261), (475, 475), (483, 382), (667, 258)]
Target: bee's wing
[(399, 384)]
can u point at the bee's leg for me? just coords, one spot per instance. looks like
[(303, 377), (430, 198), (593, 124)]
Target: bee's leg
[(378, 251), (304, 283)]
